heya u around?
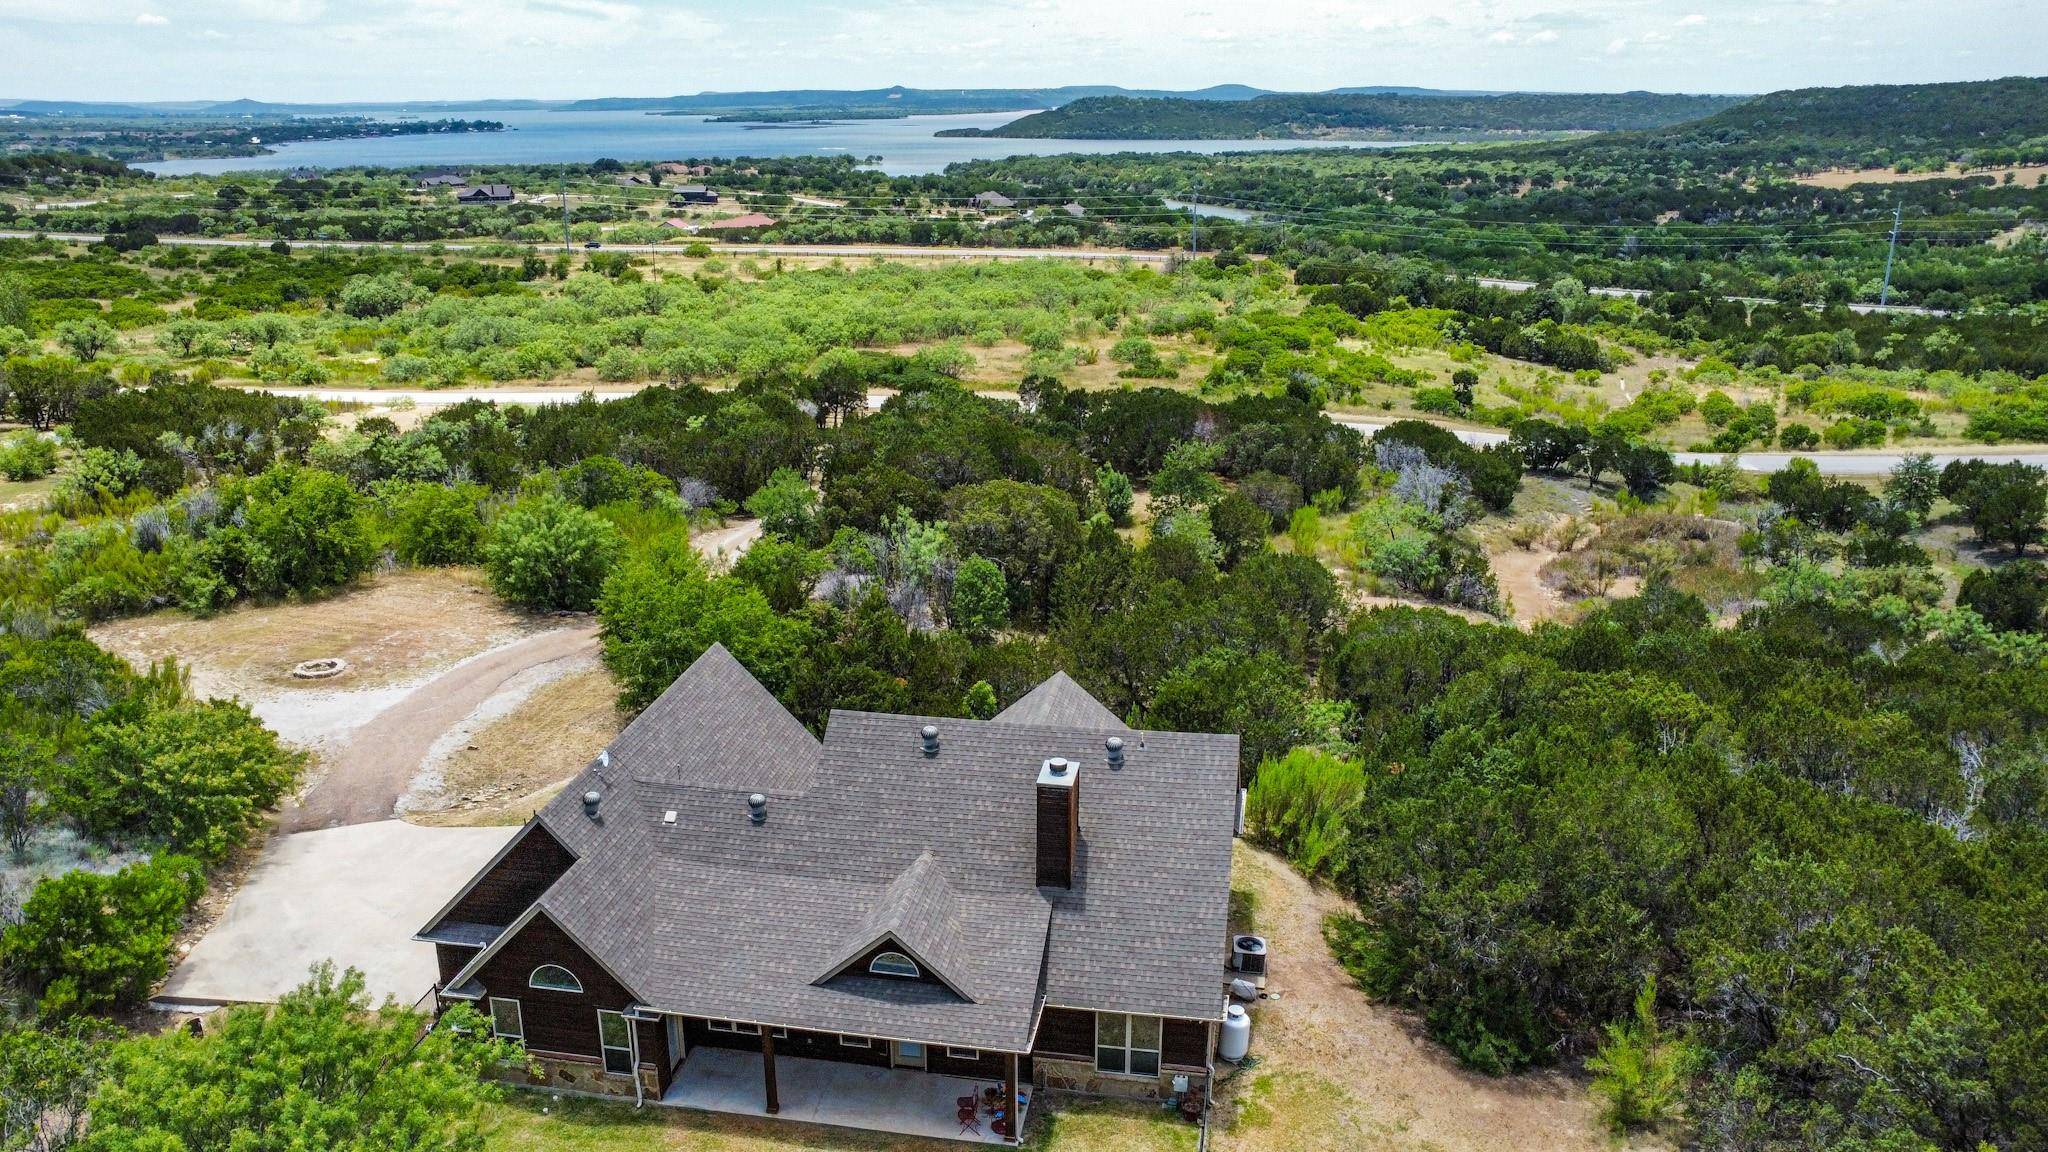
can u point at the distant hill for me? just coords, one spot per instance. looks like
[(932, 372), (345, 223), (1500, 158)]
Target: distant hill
[(74, 108), (1382, 115), (924, 101), (1876, 123)]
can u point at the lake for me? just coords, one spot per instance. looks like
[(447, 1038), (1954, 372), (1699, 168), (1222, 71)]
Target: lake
[(907, 147)]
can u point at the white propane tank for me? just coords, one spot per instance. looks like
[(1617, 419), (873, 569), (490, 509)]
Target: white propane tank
[(1237, 1034)]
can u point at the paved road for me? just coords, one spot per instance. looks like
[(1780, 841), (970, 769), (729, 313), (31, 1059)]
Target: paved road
[(364, 780), (1085, 255)]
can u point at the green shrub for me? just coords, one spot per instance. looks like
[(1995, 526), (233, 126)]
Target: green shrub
[(1300, 805), (546, 553), (1639, 1073), (195, 778), (981, 600), (88, 941), (27, 456), (433, 524)]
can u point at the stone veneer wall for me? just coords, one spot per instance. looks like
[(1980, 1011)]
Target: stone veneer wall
[(1080, 1076), (582, 1077)]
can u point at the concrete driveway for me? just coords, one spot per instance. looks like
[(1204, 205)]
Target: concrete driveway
[(353, 895)]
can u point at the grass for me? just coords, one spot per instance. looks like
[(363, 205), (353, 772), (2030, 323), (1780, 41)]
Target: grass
[(537, 1122)]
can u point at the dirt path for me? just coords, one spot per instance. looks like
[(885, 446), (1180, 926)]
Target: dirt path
[(724, 545), (363, 780), (1336, 1071)]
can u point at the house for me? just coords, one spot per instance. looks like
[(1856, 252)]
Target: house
[(739, 223), (485, 194), (441, 178), (691, 194), (922, 907), (992, 200), (634, 180), (676, 168), (1074, 209), (679, 224)]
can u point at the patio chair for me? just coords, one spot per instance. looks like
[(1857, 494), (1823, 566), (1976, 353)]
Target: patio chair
[(970, 1119)]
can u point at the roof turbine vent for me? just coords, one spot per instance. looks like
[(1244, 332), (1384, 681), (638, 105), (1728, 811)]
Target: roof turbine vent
[(757, 808), (930, 735), (1115, 745), (590, 802)]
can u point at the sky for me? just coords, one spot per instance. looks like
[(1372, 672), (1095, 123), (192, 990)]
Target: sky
[(389, 50)]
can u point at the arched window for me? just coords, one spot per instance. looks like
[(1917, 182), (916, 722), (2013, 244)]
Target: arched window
[(554, 978), (894, 964)]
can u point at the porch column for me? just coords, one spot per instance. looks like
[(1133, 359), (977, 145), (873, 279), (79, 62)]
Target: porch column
[(768, 1068), (1014, 1114)]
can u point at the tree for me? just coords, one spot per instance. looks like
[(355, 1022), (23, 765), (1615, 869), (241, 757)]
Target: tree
[(1260, 697), (25, 763), (368, 297), (88, 941), (434, 524), (15, 303), (1464, 383), (322, 1069), (1914, 484), (786, 505), (1240, 526), (27, 456), (1114, 489), (981, 604), (1639, 1072), (2011, 597), (545, 553), (661, 610), (980, 702), (783, 570), (86, 339), (288, 530), (1029, 530), (47, 1074), (2003, 502), (195, 778)]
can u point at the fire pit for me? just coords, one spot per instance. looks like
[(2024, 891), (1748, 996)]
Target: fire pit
[(319, 669)]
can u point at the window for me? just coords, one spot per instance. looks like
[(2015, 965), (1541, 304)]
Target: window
[(963, 1053), (855, 1042), (894, 964), (742, 1029), (1126, 1045), (506, 1021), (615, 1037), (554, 978)]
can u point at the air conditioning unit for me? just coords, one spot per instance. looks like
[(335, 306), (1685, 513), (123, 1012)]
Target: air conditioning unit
[(1248, 955)]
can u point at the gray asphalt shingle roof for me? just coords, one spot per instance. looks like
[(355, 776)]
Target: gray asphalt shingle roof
[(867, 837)]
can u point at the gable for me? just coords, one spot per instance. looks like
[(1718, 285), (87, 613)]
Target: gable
[(510, 884)]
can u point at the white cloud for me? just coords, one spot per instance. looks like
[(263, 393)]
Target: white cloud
[(1547, 36), (151, 20), (1502, 37), (1617, 46), (1692, 20)]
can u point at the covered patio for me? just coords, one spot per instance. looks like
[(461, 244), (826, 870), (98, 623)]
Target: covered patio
[(908, 1103)]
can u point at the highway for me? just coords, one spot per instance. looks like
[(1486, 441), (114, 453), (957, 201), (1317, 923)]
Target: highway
[(1831, 463)]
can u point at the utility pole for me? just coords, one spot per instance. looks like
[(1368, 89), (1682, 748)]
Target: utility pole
[(1884, 294), (1194, 222)]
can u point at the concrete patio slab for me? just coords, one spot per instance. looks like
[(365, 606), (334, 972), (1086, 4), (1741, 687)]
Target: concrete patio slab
[(353, 895), (822, 1092)]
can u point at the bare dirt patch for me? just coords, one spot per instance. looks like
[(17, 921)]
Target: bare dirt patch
[(395, 628), (2024, 174), (513, 763), (1336, 1071)]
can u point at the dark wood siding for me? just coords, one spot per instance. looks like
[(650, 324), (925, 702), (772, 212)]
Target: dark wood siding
[(989, 1065), (654, 1050), (860, 967), (809, 1045), (1067, 1032), (510, 888), (1056, 815), (1184, 1043), (450, 958), (563, 1022)]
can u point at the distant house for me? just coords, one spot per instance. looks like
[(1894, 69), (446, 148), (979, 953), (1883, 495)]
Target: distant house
[(739, 223), (485, 194), (988, 200), (691, 194), (441, 178), (305, 174), (674, 168), (634, 181), (679, 224), (1074, 210), (723, 906)]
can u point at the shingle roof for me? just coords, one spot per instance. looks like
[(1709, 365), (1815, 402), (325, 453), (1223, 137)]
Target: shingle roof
[(1060, 703), (866, 837)]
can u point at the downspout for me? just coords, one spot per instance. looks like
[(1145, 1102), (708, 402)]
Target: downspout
[(639, 1089)]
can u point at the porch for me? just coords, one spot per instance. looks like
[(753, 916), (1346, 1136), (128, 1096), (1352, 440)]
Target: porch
[(905, 1102)]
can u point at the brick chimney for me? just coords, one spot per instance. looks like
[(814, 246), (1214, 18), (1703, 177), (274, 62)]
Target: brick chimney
[(1059, 821)]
